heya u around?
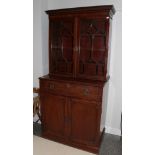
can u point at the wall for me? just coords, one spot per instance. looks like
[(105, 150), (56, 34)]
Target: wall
[(114, 87), (57, 4), (40, 40), (37, 42), (44, 29), (114, 107)]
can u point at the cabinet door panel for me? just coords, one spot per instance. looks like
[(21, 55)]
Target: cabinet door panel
[(61, 46), (53, 114), (92, 48), (84, 122)]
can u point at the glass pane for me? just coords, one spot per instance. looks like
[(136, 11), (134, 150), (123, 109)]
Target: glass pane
[(92, 48), (62, 46)]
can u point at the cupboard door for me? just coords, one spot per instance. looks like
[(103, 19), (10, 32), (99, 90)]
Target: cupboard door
[(85, 121), (53, 115), (92, 56), (61, 46)]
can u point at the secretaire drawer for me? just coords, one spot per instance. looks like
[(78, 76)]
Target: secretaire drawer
[(52, 86), (85, 92), (72, 89)]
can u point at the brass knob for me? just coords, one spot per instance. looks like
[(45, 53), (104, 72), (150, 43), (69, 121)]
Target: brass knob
[(86, 92), (68, 85), (51, 86)]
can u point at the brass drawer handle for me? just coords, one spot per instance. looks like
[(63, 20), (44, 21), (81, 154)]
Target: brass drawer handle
[(68, 85), (86, 92), (51, 86)]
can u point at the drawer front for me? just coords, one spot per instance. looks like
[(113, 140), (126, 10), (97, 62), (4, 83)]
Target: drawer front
[(85, 92), (53, 86), (72, 89)]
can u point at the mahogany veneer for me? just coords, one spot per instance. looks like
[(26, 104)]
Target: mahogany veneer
[(71, 94)]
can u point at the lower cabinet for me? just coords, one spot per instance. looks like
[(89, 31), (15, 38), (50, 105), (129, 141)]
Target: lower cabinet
[(71, 120)]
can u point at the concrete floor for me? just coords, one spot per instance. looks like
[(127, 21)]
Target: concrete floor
[(111, 144)]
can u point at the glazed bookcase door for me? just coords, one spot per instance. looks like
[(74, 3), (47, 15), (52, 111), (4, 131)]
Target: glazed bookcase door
[(92, 48), (61, 47)]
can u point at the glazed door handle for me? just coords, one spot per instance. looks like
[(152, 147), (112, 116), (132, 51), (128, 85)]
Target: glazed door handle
[(76, 48)]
